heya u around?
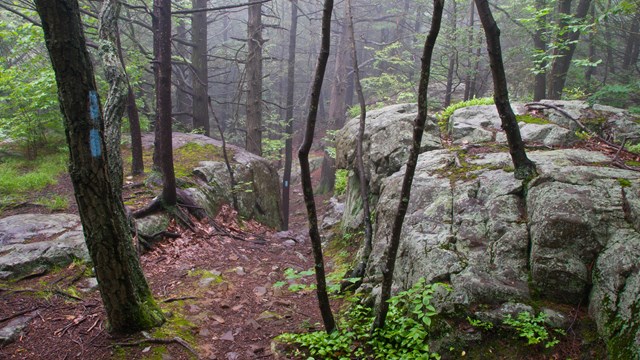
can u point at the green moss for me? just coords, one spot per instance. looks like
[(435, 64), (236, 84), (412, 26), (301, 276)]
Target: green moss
[(530, 119), (205, 274), (624, 182), (177, 325), (188, 157), (632, 163), (157, 353)]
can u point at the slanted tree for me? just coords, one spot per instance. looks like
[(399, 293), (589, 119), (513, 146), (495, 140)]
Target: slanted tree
[(305, 169), (524, 168), (337, 105), (127, 298), (405, 192)]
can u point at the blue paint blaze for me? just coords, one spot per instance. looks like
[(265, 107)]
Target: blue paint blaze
[(94, 107), (95, 143)]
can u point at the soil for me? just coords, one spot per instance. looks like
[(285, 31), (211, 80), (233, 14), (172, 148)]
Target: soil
[(216, 290)]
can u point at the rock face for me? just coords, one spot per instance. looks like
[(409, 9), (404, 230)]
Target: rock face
[(478, 124), (258, 183), (569, 236), (34, 242)]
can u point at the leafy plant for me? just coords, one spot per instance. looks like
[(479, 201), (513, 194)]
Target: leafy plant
[(617, 95), (404, 336), (342, 176), (477, 323), (533, 329)]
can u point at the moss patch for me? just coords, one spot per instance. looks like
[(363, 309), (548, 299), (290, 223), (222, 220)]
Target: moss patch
[(530, 119), (188, 157)]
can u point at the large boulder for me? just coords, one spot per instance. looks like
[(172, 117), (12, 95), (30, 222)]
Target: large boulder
[(551, 128), (385, 146), (257, 182), (569, 236), (36, 242)]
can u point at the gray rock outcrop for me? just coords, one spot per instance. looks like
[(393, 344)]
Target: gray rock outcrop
[(569, 236), (35, 242), (257, 182)]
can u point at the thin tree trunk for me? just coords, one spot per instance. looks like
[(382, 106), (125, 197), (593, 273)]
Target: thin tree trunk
[(127, 299), (562, 62), (254, 80), (227, 162), (163, 143), (405, 193), (359, 270), (540, 87), (524, 168), (453, 55), (632, 47), (137, 163), (200, 81), (337, 107), (468, 86), (288, 147), (305, 171)]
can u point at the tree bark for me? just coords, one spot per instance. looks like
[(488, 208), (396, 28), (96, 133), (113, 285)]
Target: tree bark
[(405, 193), (468, 82), (562, 62), (163, 143), (254, 80), (127, 298), (305, 171), (359, 270), (524, 168), (540, 87), (200, 81), (632, 46), (288, 146), (453, 55), (337, 106)]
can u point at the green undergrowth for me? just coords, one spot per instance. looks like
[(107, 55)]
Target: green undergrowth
[(20, 177), (404, 337)]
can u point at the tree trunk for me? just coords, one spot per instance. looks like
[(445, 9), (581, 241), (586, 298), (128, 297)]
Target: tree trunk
[(337, 107), (453, 56), (468, 85), (288, 147), (183, 98), (200, 81), (137, 163), (254, 80), (360, 268), (127, 298), (305, 171), (405, 193), (524, 168), (569, 39), (540, 87), (632, 47), (163, 143)]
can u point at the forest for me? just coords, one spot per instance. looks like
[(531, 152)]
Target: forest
[(213, 168)]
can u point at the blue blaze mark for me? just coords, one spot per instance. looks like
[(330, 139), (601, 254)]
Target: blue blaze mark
[(95, 143), (94, 107)]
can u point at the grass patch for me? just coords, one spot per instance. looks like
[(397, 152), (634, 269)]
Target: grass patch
[(54, 203), (19, 176)]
